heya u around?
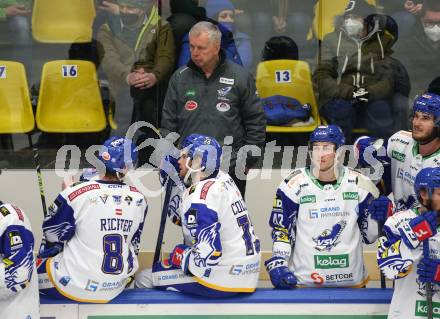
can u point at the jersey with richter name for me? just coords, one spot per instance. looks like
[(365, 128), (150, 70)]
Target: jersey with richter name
[(406, 162), (100, 224), (225, 254), (320, 229), (399, 262)]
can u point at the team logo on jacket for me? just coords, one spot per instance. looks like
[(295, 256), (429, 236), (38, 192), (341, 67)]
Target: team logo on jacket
[(191, 105), (223, 107), (329, 237), (64, 280)]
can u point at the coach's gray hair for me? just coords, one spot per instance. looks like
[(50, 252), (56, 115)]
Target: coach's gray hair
[(211, 29)]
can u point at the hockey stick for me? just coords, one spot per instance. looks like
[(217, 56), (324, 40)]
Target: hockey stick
[(39, 176), (428, 286), (163, 219), (369, 186)]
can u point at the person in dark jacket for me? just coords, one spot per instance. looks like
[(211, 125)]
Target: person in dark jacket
[(420, 52), (354, 78), (230, 40), (214, 96)]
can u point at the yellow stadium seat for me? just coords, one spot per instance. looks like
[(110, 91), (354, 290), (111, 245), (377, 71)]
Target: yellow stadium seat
[(70, 100), (325, 13), (16, 114), (63, 21), (289, 78)]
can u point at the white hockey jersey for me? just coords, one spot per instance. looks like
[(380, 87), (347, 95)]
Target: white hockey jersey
[(406, 162), (225, 254), (320, 229), (19, 297), (100, 224), (399, 262)]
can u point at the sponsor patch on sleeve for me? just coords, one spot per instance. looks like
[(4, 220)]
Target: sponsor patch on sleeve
[(82, 190), (205, 189)]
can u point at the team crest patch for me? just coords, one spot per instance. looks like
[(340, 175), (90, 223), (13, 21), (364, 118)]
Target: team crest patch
[(128, 199), (223, 107), (191, 105), (329, 238)]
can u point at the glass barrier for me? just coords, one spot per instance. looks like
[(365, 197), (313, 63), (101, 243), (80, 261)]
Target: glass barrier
[(76, 72)]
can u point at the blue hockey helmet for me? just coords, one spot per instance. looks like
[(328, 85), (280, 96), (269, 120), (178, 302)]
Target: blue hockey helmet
[(427, 178), (118, 153), (428, 103), (207, 148), (330, 133)]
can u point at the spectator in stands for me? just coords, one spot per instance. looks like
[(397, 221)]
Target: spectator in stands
[(214, 96), (137, 55), (434, 86), (223, 11), (15, 31), (230, 40), (420, 51), (184, 14), (354, 79), (404, 12)]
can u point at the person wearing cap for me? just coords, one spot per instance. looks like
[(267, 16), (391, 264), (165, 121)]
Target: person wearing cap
[(137, 55), (354, 78), (235, 44), (321, 216)]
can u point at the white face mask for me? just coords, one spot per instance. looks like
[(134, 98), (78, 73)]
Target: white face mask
[(353, 27), (433, 33)]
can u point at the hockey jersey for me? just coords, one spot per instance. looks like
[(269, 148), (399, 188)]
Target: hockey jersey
[(406, 162), (18, 276), (225, 252), (100, 225), (319, 229), (399, 262)]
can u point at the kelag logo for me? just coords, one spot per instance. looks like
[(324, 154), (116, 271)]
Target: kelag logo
[(422, 309), (398, 156), (350, 196), (331, 261), (307, 199)]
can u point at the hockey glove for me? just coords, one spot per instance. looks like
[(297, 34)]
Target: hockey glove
[(48, 249), (360, 95), (419, 229), (380, 209), (178, 255), (280, 275), (367, 147), (428, 270)]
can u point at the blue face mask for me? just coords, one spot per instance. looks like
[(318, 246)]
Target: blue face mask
[(228, 26)]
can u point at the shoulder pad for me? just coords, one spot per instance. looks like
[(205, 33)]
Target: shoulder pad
[(402, 137), (292, 174)]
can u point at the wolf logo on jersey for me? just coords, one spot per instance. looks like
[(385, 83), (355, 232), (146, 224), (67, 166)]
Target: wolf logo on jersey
[(329, 238), (205, 249)]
